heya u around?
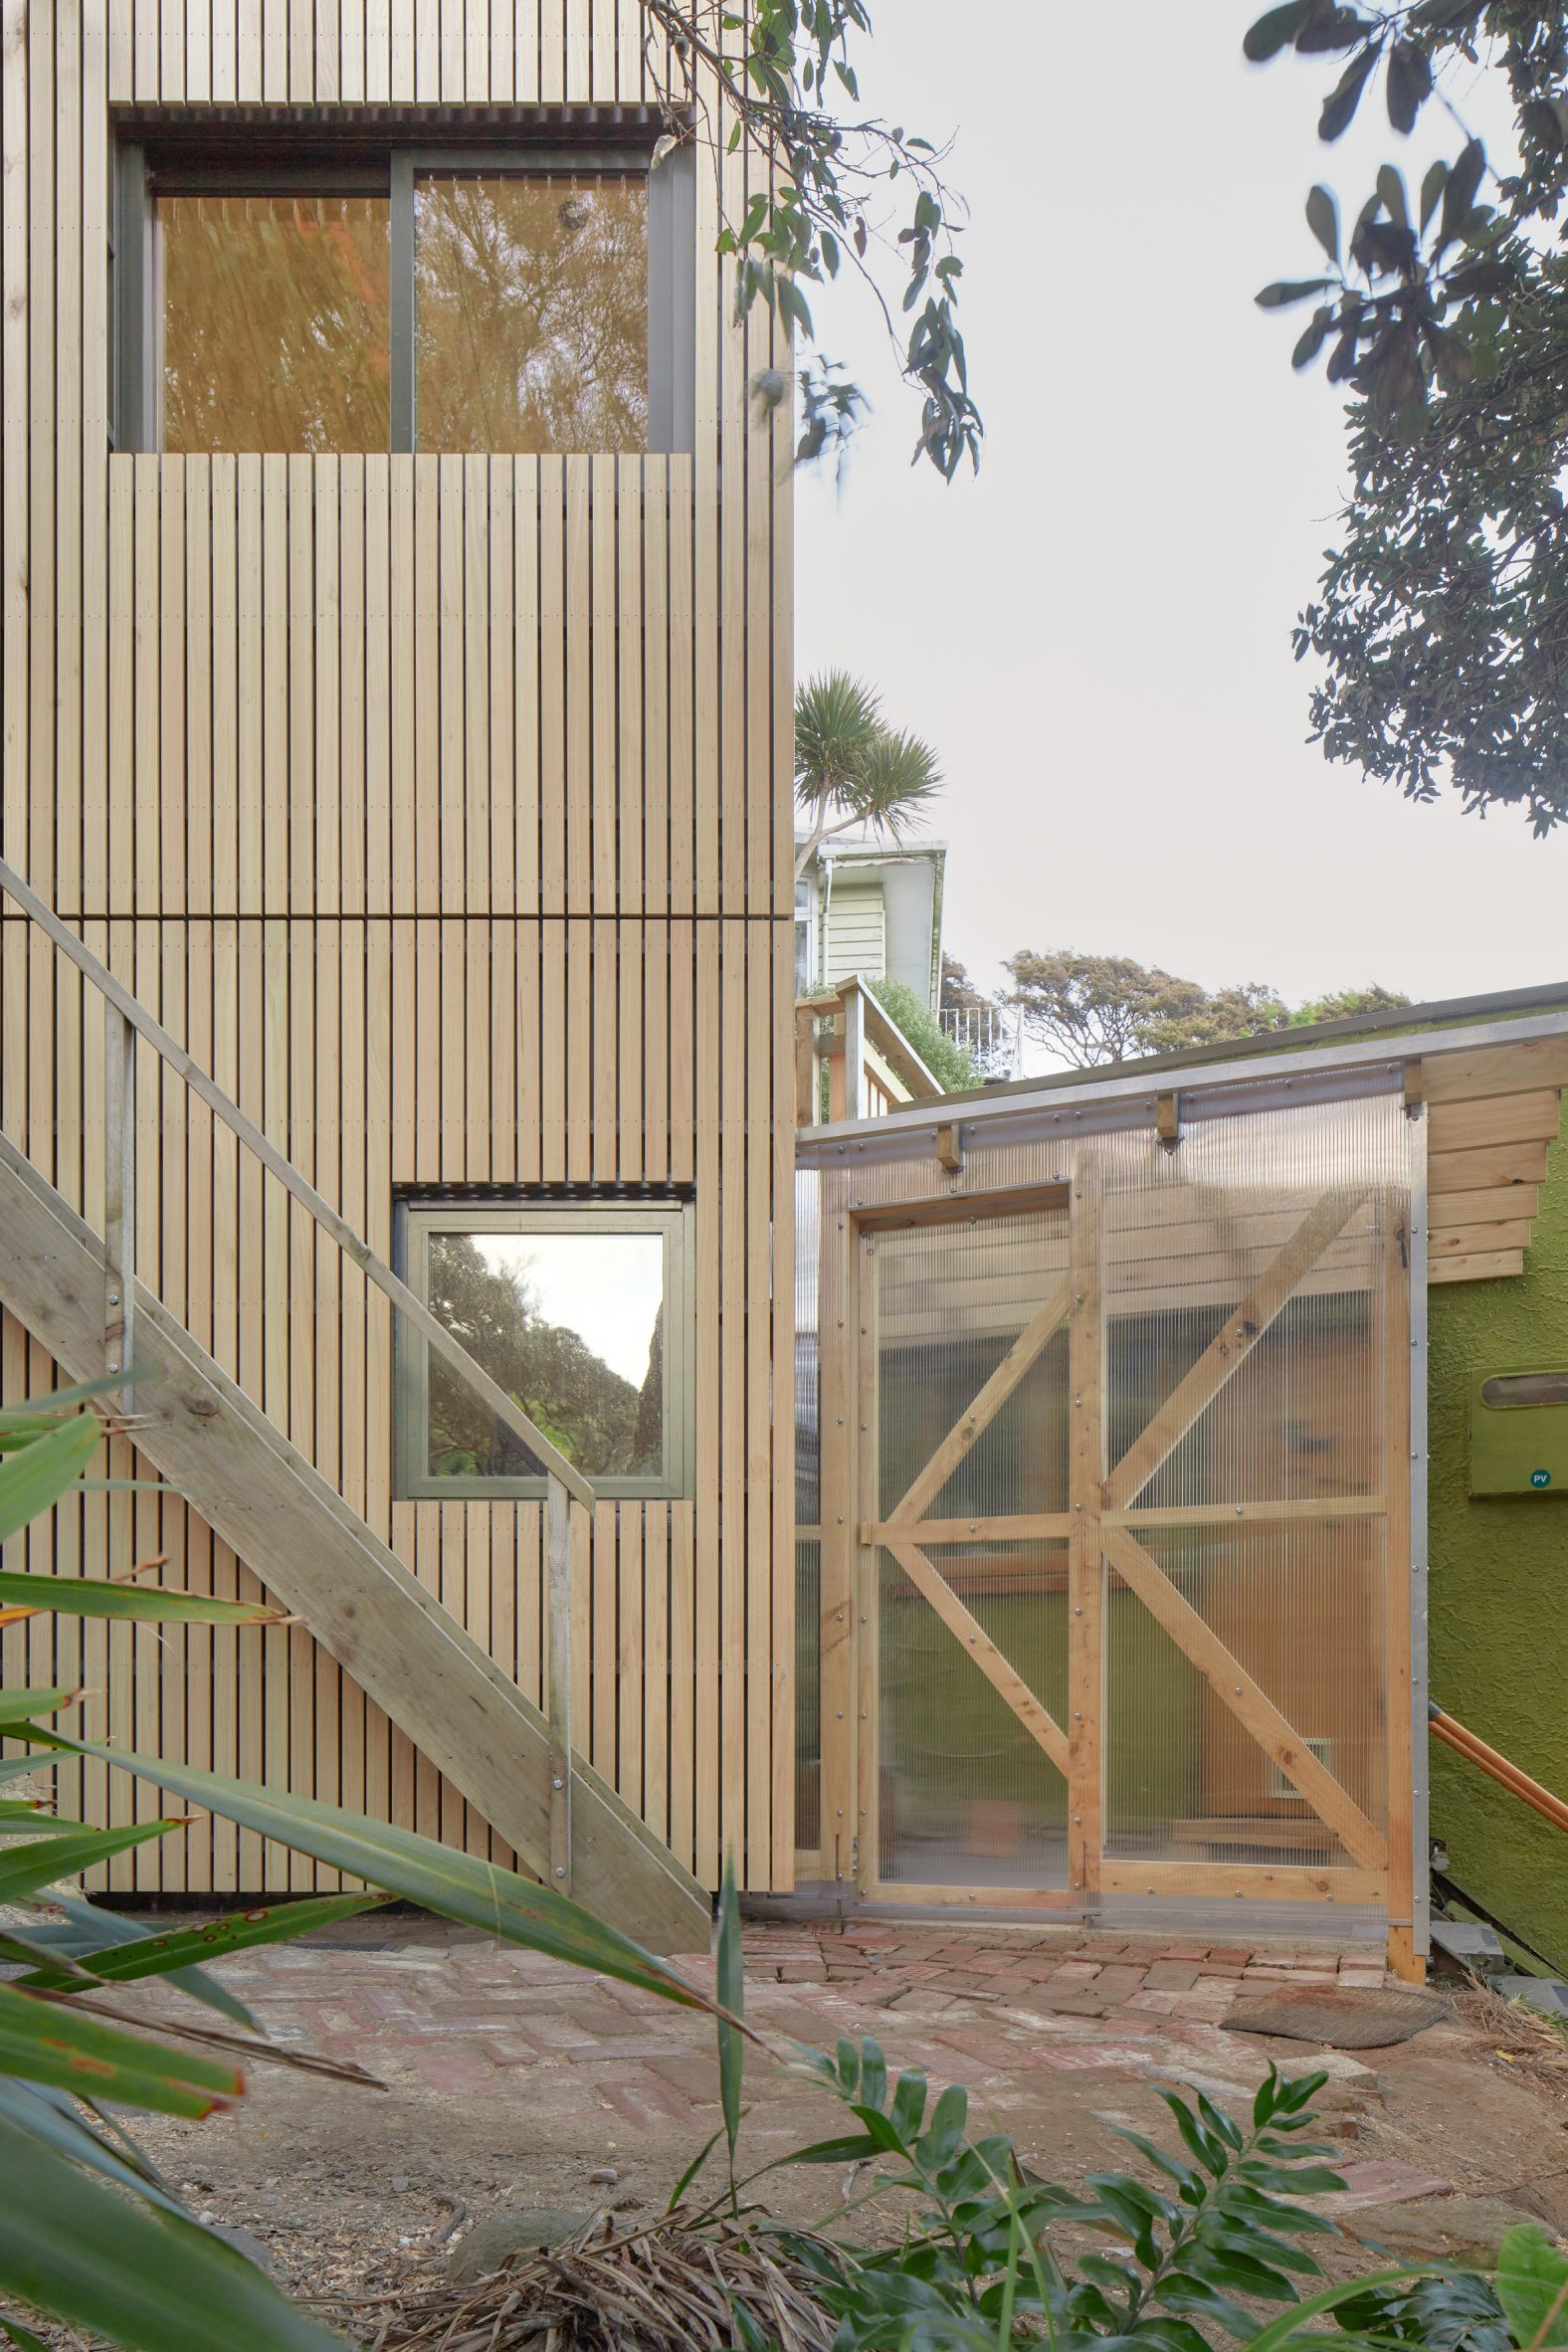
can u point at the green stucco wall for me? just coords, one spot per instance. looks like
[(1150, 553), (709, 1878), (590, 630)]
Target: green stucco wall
[(1500, 1595)]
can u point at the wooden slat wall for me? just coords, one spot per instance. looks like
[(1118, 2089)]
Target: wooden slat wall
[(1494, 1111), (442, 806), (368, 52)]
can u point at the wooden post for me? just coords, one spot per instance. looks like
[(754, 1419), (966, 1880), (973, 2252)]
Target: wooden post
[(119, 1192), (1086, 1567), (558, 1650), (855, 1102), (1404, 1960)]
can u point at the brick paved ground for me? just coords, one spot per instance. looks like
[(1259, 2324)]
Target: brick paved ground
[(512, 2079), (467, 2015)]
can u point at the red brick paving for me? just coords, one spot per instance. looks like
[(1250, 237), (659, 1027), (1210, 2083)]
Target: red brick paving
[(1005, 2008)]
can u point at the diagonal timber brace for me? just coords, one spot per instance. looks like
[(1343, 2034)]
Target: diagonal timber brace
[(315, 1555)]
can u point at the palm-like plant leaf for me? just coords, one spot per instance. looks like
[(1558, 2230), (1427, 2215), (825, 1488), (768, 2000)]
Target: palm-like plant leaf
[(44, 1862), (43, 2040), (133, 2276), (35, 2111), (898, 776), (39, 1472), (176, 1953), (838, 720), (403, 1864), (90, 1596)]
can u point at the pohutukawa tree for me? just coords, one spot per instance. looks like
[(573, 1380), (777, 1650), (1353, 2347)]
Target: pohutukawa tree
[(1097, 1009), (833, 189), (1441, 618)]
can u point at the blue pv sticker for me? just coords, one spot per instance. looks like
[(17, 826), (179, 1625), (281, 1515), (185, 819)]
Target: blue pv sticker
[(1540, 1477)]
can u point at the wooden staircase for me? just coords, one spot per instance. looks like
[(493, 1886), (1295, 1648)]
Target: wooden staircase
[(263, 1498)]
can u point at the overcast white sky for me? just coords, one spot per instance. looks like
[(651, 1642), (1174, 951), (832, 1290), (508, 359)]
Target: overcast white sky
[(1095, 634)]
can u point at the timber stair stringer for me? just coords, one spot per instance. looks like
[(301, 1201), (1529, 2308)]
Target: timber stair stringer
[(316, 1556)]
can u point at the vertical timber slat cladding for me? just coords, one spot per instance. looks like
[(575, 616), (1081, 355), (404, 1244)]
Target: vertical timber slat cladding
[(440, 806)]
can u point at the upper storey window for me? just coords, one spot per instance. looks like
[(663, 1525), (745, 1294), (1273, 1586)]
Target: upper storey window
[(531, 310), (454, 300), (273, 315)]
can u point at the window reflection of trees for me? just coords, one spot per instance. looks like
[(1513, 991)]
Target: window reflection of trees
[(531, 313), (276, 322), (608, 1428)]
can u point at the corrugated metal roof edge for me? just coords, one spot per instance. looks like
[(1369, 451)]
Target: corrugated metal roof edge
[(1397, 1021), (1459, 1024)]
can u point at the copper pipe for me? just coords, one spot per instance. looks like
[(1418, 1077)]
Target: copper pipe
[(1464, 1742)]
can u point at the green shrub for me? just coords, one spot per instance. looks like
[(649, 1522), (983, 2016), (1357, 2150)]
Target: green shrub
[(953, 1065)]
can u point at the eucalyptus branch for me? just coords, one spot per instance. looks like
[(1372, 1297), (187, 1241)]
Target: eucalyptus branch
[(758, 82)]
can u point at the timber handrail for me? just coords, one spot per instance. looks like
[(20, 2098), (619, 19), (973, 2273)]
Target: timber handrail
[(126, 1017), (1469, 1744)]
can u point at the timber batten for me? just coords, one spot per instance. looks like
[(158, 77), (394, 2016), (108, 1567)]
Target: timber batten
[(440, 806)]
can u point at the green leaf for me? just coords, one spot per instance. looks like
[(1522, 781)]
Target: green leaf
[(1312, 341), (909, 2106), (1172, 2166), (183, 1948), (142, 2279), (1432, 189), (947, 2127), (46, 1861), (1409, 84), (1280, 2333), (21, 1706), (1532, 2283), (1273, 29), (1290, 290), (85, 1930), (1209, 2152), (48, 2116), (694, 2168), (55, 1399), (1391, 188), (730, 1985), (440, 1878), (1459, 194), (849, 2150), (1340, 106), (50, 2042), (37, 1476), (1322, 218), (81, 1596)]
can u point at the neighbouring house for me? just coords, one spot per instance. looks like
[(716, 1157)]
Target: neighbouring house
[(399, 1074), (868, 914), (872, 910)]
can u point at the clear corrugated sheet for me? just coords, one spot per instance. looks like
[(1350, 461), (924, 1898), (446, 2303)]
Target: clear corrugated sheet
[(1265, 1512), (1253, 1356), (971, 1604)]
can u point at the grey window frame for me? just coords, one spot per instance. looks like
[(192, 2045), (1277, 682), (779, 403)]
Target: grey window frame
[(416, 1220), (137, 307)]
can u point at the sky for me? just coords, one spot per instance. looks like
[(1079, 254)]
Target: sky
[(1094, 635), (607, 1287)]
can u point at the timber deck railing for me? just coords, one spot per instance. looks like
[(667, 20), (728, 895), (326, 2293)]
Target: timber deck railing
[(125, 1019)]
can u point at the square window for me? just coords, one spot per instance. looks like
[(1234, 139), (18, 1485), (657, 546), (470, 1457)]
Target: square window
[(580, 1312)]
